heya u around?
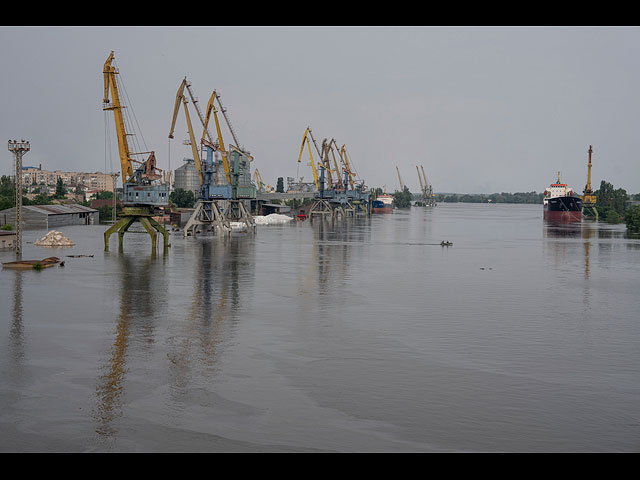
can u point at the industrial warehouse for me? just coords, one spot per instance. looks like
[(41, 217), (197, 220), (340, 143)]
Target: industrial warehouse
[(50, 216)]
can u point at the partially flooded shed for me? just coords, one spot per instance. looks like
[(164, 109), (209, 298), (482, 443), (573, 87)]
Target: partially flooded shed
[(51, 216)]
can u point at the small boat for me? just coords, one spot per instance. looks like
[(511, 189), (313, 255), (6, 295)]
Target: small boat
[(32, 264)]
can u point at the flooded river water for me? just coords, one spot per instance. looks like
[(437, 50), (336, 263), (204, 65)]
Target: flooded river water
[(362, 336)]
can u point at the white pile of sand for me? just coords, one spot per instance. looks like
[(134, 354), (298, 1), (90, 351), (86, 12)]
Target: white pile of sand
[(54, 239), (272, 219)]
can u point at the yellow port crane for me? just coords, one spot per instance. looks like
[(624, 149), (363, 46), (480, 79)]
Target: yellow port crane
[(140, 188), (256, 174), (588, 198), (347, 166), (110, 85), (422, 185), (427, 190), (147, 172), (261, 185), (211, 108), (330, 147), (305, 140)]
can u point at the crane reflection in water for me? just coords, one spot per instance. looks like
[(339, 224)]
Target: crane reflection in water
[(196, 333)]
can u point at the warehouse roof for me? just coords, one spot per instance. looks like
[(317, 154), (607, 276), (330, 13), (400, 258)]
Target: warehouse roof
[(55, 209)]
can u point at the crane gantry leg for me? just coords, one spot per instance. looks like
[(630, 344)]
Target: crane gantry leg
[(149, 224)]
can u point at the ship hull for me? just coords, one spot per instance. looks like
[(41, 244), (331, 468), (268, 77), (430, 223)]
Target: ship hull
[(378, 206), (563, 209)]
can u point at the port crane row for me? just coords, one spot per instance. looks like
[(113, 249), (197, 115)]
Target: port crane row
[(223, 172), (220, 198), (337, 194), (428, 197)]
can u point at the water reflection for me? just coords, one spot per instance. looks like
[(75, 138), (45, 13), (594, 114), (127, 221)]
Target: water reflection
[(222, 279), (561, 229), (328, 274), (16, 333), (140, 293)]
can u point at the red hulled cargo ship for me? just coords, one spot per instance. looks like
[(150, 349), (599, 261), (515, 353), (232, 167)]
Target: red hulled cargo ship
[(560, 204)]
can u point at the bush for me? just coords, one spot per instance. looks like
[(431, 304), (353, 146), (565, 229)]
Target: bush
[(8, 226), (613, 217), (402, 199), (182, 198), (632, 218)]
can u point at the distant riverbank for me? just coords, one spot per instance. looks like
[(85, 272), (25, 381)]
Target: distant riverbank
[(518, 197)]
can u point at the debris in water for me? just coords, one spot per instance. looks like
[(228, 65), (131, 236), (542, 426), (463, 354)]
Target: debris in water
[(32, 264), (54, 239)]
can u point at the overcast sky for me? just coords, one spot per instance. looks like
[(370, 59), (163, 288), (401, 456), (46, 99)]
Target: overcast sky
[(483, 109)]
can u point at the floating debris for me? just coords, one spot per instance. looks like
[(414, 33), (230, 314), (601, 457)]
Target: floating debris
[(54, 239), (33, 264), (446, 244)]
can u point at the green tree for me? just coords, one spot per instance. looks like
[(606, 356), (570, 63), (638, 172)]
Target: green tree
[(182, 198), (632, 218), (6, 187), (104, 195), (61, 190), (280, 185), (403, 199), (613, 216), (609, 198)]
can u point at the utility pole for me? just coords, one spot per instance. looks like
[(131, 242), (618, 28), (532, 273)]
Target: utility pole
[(18, 149), (114, 176)]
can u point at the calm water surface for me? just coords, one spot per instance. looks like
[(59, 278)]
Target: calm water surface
[(362, 336)]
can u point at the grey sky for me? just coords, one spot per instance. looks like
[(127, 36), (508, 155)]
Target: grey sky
[(483, 109)]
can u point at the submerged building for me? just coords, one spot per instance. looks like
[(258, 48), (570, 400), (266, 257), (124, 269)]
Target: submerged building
[(50, 216)]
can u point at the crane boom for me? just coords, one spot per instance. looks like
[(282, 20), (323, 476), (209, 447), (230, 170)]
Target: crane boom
[(400, 180), (426, 183), (345, 161), (305, 139), (194, 101), (324, 158), (194, 146), (422, 187), (226, 119), (335, 163), (110, 84), (211, 108), (258, 179)]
